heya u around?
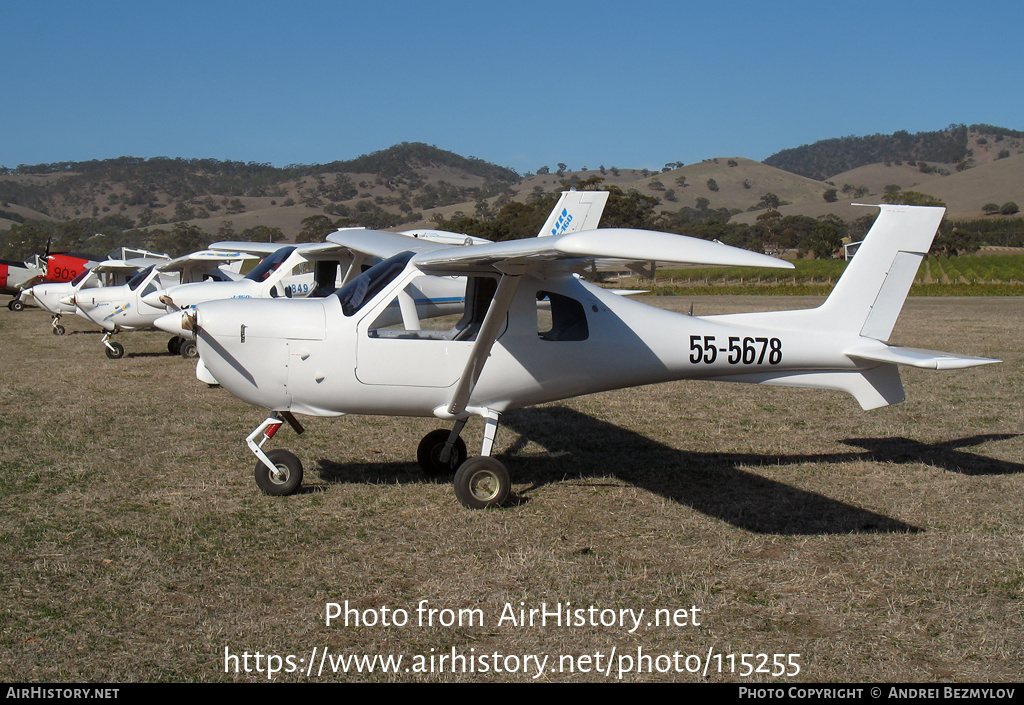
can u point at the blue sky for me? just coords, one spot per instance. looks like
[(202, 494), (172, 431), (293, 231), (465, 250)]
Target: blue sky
[(523, 84)]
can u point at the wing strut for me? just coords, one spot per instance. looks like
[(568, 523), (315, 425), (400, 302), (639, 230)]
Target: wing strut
[(484, 342)]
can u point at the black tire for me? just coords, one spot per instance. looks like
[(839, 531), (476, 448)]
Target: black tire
[(430, 448), (117, 353), (174, 346), (188, 350), (16, 305), (289, 465), (59, 330), (481, 483)]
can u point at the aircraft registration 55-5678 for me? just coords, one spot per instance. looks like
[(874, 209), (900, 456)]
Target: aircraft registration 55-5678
[(532, 332)]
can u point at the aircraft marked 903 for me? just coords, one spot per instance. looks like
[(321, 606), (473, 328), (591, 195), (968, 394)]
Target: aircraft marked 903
[(531, 331)]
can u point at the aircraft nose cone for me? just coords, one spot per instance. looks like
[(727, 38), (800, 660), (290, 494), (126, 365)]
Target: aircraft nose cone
[(179, 323), (153, 299)]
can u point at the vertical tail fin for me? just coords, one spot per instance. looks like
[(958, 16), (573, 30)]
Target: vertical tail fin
[(575, 211), (862, 310), (872, 290)]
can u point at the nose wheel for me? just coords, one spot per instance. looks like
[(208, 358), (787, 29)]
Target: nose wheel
[(114, 351), (285, 479)]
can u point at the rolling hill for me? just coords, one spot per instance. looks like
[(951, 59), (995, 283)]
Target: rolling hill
[(413, 184)]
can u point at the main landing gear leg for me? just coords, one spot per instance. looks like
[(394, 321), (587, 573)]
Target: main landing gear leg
[(278, 472), (483, 482), (115, 351)]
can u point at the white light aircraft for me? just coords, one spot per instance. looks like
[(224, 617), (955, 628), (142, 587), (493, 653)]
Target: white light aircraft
[(364, 350), (117, 308), (57, 298)]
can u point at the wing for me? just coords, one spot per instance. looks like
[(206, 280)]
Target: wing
[(591, 247), (566, 251), (255, 248), (445, 237), (377, 243), (121, 265), (205, 257)]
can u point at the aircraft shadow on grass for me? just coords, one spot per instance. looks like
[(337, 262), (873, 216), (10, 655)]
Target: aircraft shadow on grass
[(715, 484)]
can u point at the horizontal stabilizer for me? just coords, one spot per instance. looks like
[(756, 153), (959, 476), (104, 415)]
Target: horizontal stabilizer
[(917, 357)]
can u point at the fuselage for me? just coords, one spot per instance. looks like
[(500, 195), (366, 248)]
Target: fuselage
[(561, 338)]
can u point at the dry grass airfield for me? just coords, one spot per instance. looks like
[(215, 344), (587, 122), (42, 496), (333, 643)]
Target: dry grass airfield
[(879, 546)]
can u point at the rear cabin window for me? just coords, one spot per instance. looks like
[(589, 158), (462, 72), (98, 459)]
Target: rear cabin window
[(560, 317)]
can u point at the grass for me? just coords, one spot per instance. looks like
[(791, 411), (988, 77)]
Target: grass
[(880, 546)]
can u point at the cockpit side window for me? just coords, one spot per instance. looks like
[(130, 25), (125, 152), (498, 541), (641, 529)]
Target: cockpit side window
[(262, 270), (368, 284), (436, 308), (133, 284)]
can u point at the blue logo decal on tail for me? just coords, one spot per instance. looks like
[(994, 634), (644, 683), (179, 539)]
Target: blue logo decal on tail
[(562, 223)]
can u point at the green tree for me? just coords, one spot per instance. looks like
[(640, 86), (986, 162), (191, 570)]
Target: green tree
[(1009, 208), (826, 238), (179, 240), (262, 233), (315, 228), (26, 239)]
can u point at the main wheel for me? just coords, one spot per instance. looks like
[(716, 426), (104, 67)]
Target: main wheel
[(174, 345), (290, 469), (116, 353), (481, 483), (429, 451), (16, 305), (59, 329), (188, 350)]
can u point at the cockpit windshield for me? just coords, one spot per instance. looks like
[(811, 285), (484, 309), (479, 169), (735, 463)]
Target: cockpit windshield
[(269, 264), (134, 282), (364, 287)]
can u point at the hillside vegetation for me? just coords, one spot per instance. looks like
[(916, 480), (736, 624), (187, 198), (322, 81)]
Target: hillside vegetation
[(175, 205)]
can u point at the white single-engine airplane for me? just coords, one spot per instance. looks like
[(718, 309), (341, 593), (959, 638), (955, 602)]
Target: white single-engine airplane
[(117, 308), (532, 332)]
